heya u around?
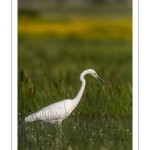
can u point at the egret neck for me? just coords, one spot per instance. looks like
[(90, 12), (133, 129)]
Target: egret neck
[(79, 95)]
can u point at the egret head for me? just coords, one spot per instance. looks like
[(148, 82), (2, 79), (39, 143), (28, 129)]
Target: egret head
[(93, 73), (96, 76)]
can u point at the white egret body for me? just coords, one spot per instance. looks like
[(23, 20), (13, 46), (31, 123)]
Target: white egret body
[(57, 112)]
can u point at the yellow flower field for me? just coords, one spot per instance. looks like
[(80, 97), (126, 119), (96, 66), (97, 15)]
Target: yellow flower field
[(85, 29)]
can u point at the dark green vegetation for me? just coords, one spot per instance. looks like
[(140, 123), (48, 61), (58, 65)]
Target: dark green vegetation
[(49, 69)]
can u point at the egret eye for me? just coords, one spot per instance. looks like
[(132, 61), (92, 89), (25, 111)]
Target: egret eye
[(95, 74)]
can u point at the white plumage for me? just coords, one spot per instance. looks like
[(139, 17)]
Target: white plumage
[(57, 112)]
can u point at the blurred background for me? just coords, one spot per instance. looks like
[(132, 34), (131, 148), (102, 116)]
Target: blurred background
[(73, 35)]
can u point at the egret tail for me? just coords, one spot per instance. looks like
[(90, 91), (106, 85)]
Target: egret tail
[(31, 118)]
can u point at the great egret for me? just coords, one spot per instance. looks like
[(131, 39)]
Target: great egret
[(57, 112)]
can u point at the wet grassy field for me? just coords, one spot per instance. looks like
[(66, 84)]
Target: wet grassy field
[(55, 45)]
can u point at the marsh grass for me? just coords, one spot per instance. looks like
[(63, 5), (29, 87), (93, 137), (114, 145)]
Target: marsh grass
[(49, 69), (103, 118), (78, 132)]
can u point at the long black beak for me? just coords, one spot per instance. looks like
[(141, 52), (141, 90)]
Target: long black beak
[(101, 80)]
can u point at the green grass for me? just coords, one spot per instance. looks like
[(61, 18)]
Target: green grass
[(48, 71)]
